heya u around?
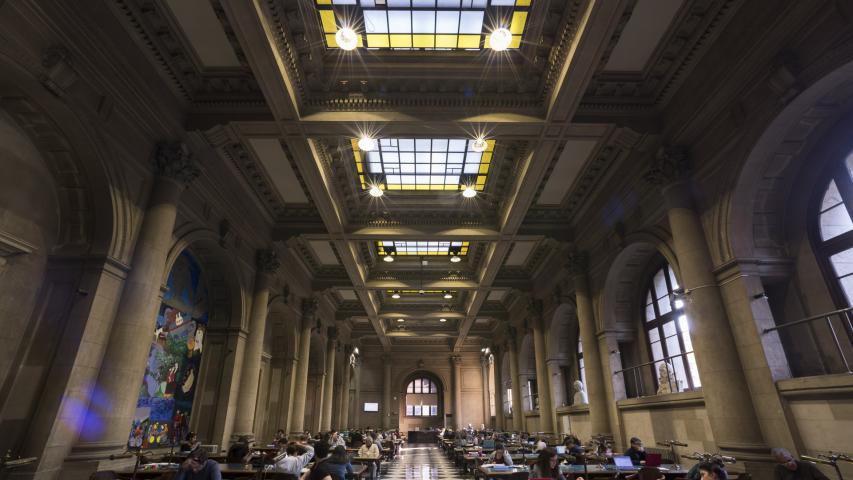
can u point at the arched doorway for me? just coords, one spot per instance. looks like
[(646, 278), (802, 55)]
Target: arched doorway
[(422, 405)]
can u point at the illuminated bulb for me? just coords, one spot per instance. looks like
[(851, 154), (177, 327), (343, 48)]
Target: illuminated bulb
[(479, 145), (367, 144), (388, 258), (395, 295), (442, 320), (448, 295), (375, 191), (456, 259), (500, 39), (401, 320), (347, 39), (469, 192), (421, 292)]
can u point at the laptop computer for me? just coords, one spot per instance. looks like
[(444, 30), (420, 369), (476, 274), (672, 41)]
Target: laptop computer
[(623, 462), (653, 459), (489, 444), (561, 449)]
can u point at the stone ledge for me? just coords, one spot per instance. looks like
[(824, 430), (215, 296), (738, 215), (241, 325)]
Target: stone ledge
[(838, 384), (681, 399), (574, 409)]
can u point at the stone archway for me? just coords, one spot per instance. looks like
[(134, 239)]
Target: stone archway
[(408, 420)]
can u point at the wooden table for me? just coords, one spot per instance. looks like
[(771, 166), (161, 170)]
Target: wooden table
[(490, 472), (597, 471), (228, 471)]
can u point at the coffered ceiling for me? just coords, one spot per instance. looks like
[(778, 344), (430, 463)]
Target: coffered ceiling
[(578, 92)]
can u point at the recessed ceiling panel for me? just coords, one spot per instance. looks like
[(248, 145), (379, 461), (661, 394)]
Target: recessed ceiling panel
[(520, 251), (324, 252), (423, 24), (425, 248), (496, 295), (277, 165), (204, 32), (348, 295), (566, 170), (647, 25)]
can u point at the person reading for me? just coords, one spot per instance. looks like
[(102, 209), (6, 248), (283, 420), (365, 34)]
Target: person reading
[(788, 468), (297, 455), (636, 452), (500, 456), (198, 467), (573, 448), (369, 450)]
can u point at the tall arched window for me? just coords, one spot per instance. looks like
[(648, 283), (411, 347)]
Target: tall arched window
[(422, 398), (667, 332), (834, 236)]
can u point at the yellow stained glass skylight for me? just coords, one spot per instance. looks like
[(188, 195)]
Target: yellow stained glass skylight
[(426, 248), (446, 164), (424, 24), (418, 292)]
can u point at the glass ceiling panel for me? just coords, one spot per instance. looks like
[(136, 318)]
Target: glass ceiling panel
[(445, 164), (423, 24), (426, 248)]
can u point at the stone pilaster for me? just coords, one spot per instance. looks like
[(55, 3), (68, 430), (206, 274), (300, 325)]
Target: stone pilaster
[(456, 364), (329, 388), (267, 265), (500, 421), (599, 420), (107, 425), (731, 413), (300, 390), (344, 422), (543, 381), (517, 407), (484, 370), (386, 392)]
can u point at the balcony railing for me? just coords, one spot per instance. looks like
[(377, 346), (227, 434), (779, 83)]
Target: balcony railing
[(635, 383), (835, 321)]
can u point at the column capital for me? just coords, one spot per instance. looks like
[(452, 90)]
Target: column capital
[(534, 307), (577, 262), (332, 334), (267, 261), (671, 165), (175, 160), (309, 307), (456, 360)]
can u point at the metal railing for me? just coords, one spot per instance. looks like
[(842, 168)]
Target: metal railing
[(843, 317), (675, 385)]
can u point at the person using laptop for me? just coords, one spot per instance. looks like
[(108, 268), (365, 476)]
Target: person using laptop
[(500, 456), (637, 453), (573, 448)]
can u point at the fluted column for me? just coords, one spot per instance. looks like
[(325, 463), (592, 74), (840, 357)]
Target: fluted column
[(386, 392), (344, 422), (309, 311), (598, 418), (484, 370), (329, 388), (456, 361), (108, 420), (291, 366), (517, 407), (543, 381), (500, 422), (731, 414), (267, 264)]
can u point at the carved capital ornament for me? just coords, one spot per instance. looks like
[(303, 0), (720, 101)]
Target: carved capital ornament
[(670, 165), (175, 161)]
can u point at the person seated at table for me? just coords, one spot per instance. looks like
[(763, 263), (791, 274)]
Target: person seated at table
[(280, 438), (636, 452), (788, 468), (695, 474), (336, 439), (573, 448), (540, 445), (198, 467), (546, 465), (240, 451), (713, 471), (500, 456), (321, 449), (297, 455), (369, 450), (336, 466), (356, 438), (190, 443)]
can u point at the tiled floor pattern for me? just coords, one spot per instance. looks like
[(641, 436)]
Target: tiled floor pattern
[(421, 462)]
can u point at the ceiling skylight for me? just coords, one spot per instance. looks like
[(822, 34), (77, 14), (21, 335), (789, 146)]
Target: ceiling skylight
[(447, 164), (423, 24), (427, 248)]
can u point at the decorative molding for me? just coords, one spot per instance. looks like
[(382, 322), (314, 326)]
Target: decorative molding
[(267, 261), (669, 166), (175, 161)]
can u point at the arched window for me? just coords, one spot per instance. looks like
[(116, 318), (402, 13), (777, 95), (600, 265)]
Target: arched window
[(667, 331), (833, 241), (422, 398), (581, 370)]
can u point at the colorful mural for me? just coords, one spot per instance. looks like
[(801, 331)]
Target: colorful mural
[(168, 387)]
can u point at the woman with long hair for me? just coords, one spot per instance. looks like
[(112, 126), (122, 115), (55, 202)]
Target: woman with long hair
[(547, 465)]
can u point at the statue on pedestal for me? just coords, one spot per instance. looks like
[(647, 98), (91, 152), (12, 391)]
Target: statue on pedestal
[(580, 397), (667, 382)]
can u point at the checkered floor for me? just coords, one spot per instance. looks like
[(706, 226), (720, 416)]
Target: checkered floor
[(420, 462)]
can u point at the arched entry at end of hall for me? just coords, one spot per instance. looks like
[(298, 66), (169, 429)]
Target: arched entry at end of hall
[(421, 402)]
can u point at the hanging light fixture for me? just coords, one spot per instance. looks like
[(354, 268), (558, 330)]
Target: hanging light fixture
[(388, 258), (347, 39), (479, 145), (469, 192), (401, 320), (455, 258), (395, 295), (500, 39), (448, 295), (367, 143)]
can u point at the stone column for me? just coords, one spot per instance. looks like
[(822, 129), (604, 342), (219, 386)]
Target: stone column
[(386, 392), (107, 423), (329, 387), (484, 369), (500, 422), (344, 422), (456, 361), (543, 381), (731, 414), (291, 366), (267, 264), (598, 418), (300, 390), (558, 387), (356, 414), (517, 407)]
